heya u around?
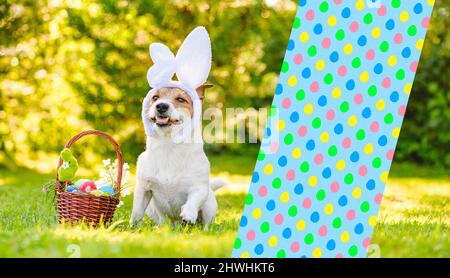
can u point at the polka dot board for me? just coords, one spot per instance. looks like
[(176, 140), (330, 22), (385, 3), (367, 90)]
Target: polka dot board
[(333, 127)]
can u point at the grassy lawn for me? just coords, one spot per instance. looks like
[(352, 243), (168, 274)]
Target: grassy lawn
[(414, 219)]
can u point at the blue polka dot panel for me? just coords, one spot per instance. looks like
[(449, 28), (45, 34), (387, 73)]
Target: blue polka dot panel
[(332, 128)]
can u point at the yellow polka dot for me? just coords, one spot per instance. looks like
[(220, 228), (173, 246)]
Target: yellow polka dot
[(268, 170), (336, 93), (392, 61), (332, 21), (407, 89), (296, 153), (353, 120), (340, 165), (384, 176), (324, 137), (328, 209), (376, 32), (431, 2), (320, 65), (284, 198), (317, 252), (396, 132), (348, 49), (273, 241), (372, 221), (368, 149), (308, 109), (359, 5), (419, 44), (364, 77), (345, 236), (292, 81), (380, 105), (304, 37), (312, 181), (245, 255), (256, 213), (281, 125), (301, 225), (356, 193), (404, 16)]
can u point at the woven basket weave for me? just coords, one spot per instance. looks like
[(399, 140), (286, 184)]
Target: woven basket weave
[(75, 208)]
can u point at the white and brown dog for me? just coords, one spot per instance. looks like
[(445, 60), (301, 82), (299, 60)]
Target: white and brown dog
[(173, 172)]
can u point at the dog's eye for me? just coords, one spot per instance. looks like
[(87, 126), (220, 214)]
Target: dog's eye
[(155, 98), (181, 100)]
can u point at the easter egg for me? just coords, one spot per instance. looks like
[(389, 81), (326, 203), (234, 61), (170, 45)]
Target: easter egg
[(72, 188), (88, 186), (97, 193), (78, 183), (109, 190)]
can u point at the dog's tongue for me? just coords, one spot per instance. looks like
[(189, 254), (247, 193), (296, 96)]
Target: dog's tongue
[(162, 120)]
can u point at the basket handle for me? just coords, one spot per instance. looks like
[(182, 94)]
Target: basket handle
[(111, 140)]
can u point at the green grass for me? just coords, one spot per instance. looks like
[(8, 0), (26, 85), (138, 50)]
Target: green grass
[(414, 219)]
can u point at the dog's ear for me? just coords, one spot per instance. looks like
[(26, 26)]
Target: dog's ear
[(201, 90)]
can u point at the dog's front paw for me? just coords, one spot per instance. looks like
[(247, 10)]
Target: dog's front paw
[(189, 215)]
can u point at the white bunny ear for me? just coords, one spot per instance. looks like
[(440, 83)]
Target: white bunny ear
[(163, 64), (194, 58)]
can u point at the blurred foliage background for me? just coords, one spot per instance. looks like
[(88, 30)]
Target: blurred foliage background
[(66, 66)]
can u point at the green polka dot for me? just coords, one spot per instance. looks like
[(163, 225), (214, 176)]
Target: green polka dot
[(309, 239), (412, 30), (368, 18), (265, 227), (297, 23), (288, 139), (273, 111), (376, 163), (360, 134), (353, 250), (261, 155), (292, 211), (285, 67), (389, 119), (323, 7), (249, 199), (237, 243), (281, 254), (340, 35), (300, 95), (400, 74), (276, 183), (365, 206), (356, 62), (320, 195), (372, 91), (348, 179), (316, 123), (328, 79), (304, 167), (344, 107), (332, 151), (384, 46), (312, 51), (396, 3), (337, 223)]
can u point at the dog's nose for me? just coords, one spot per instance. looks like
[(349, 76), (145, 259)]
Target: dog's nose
[(162, 107)]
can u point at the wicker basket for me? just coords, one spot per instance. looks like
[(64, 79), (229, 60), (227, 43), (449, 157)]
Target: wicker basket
[(75, 208)]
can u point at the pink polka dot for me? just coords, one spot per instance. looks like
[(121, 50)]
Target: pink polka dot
[(402, 110), (307, 203), (278, 219), (286, 103), (262, 191), (251, 235), (386, 83), (323, 231), (326, 42), (398, 38), (334, 187), (362, 171), (337, 2), (425, 22), (413, 66), (378, 198), (375, 126), (351, 214), (302, 131), (366, 242), (310, 15), (295, 247), (370, 55), (290, 175), (340, 256), (314, 87), (358, 99), (346, 143), (354, 26), (318, 159), (274, 147), (342, 71), (298, 59), (382, 10), (330, 115), (390, 154)]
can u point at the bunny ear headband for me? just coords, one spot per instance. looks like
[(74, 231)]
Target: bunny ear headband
[(191, 66)]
